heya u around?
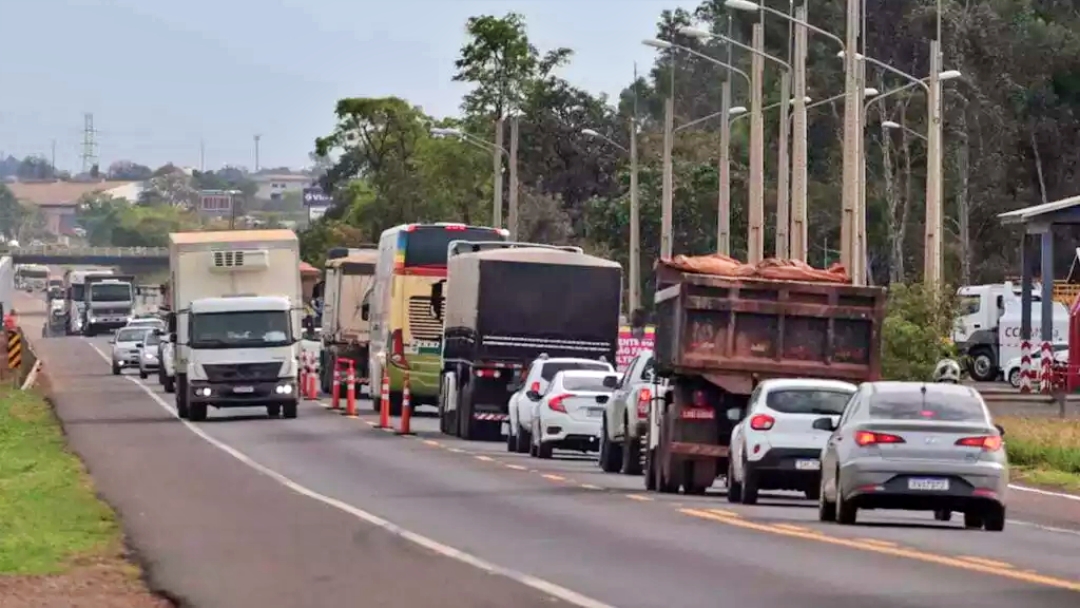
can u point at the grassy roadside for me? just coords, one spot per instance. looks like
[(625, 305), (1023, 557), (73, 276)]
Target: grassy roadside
[(1043, 451), (49, 515)]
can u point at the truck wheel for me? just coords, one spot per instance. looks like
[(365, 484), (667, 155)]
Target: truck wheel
[(524, 438), (466, 425), (197, 412), (289, 410), (750, 485), (690, 485), (631, 454), (180, 389), (511, 439), (983, 368), (734, 488), (142, 374), (610, 455)]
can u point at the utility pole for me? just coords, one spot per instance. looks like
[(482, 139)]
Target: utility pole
[(52, 160), (496, 161), (852, 132), (723, 215), (513, 177), (932, 274), (799, 228), (257, 138), (668, 181), (755, 235), (635, 221), (89, 145), (783, 191)]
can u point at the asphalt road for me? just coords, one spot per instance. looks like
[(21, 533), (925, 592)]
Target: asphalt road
[(245, 511)]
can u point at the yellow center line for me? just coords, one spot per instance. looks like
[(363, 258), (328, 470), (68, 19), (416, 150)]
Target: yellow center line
[(516, 467), (432, 443), (553, 477), (456, 450), (721, 512), (638, 497), (992, 563), (877, 541), (943, 560), (484, 458), (795, 528)]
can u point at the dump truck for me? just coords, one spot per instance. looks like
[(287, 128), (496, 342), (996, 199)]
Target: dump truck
[(346, 313), (506, 304), (717, 337)]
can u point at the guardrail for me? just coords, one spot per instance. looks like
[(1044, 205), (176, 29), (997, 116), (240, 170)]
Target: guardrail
[(71, 252)]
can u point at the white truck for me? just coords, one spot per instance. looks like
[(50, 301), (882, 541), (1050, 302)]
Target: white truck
[(109, 305), (75, 295), (345, 314), (988, 328), (235, 320)]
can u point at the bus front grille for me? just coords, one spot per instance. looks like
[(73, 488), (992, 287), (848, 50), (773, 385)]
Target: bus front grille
[(423, 324)]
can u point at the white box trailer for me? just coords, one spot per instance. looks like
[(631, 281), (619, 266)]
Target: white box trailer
[(235, 320), (345, 314)]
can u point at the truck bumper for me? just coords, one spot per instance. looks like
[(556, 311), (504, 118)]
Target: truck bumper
[(107, 325), (250, 394)]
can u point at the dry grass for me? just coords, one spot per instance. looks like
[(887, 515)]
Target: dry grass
[(1045, 451)]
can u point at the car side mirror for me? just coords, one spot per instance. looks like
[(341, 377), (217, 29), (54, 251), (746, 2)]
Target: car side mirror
[(824, 424), (734, 414), (365, 311), (1000, 429), (602, 399), (112, 340), (533, 395), (611, 381)]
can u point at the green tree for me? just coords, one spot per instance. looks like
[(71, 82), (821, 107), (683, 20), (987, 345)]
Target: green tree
[(35, 168), (11, 213), (916, 331)]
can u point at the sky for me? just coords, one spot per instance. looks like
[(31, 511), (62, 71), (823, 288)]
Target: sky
[(166, 79)]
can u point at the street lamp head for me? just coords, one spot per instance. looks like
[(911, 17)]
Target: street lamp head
[(888, 124), (446, 132), (693, 32), (858, 56), (742, 5), (737, 110), (657, 44), (949, 75), (590, 133), (870, 92), (805, 100)]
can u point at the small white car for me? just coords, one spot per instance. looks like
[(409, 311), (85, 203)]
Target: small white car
[(570, 413), (775, 446), (526, 395), (148, 353), (125, 352), (1011, 371)]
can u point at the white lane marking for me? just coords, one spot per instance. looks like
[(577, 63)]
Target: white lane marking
[(1044, 492), (557, 591)]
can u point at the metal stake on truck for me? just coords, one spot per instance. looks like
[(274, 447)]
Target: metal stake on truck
[(718, 336), (508, 303), (235, 320), (346, 314)]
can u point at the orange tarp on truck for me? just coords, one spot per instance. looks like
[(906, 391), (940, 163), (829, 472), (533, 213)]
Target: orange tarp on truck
[(771, 268)]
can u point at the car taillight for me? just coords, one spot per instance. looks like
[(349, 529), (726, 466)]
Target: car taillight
[(699, 399), (762, 422), (989, 443), (556, 403), (535, 387), (397, 349), (644, 396), (865, 438)]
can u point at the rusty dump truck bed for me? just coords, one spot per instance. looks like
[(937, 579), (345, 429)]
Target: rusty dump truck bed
[(735, 330)]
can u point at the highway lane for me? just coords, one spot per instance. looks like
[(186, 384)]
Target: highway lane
[(566, 522)]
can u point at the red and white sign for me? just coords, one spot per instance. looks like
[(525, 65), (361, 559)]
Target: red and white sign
[(631, 346)]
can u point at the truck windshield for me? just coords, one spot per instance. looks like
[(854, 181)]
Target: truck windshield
[(110, 292), (246, 329), (77, 291), (427, 245)]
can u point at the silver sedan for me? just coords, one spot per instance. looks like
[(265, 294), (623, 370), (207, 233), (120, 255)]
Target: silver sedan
[(915, 446)]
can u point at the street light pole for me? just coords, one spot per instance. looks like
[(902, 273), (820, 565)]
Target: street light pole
[(496, 179), (513, 177), (799, 228), (723, 215), (783, 192), (755, 237), (635, 223), (668, 179), (932, 274), (852, 131)]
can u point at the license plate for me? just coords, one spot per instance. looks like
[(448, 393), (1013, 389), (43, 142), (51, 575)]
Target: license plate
[(596, 412), (808, 465), (928, 485), (698, 413), (243, 389)]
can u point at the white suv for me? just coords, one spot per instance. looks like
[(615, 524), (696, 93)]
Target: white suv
[(523, 402), (775, 446)]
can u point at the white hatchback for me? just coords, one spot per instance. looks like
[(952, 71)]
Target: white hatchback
[(775, 446), (570, 413)]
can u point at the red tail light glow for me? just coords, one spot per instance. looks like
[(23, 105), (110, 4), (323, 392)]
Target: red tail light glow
[(455, 227), (397, 349), (699, 399), (556, 403), (762, 422), (644, 397), (989, 443), (535, 387), (865, 438)]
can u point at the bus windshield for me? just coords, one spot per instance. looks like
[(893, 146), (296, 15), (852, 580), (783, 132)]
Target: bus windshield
[(427, 245)]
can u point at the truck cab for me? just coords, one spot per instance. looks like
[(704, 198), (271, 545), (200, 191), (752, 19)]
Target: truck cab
[(241, 352), (109, 305), (988, 326)]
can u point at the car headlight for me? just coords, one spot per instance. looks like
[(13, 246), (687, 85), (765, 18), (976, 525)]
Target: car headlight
[(203, 392), (283, 389)]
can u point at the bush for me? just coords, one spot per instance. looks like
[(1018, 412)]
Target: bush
[(917, 331)]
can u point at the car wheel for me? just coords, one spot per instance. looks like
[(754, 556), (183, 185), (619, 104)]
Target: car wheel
[(524, 438), (1014, 378), (511, 438), (749, 484), (142, 374), (631, 452), (650, 475), (734, 487), (846, 512), (943, 515), (610, 457), (994, 519), (972, 520), (289, 410), (826, 508), (273, 411), (115, 369)]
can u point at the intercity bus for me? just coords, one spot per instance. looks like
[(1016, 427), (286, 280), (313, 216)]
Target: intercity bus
[(406, 326)]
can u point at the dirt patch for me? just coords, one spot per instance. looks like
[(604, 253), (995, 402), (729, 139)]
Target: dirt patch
[(106, 584)]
